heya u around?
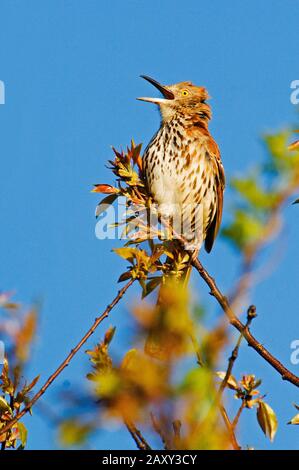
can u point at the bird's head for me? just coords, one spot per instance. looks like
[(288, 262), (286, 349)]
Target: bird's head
[(183, 98)]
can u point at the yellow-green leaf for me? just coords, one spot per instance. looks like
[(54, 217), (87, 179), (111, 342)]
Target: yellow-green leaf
[(72, 432), (294, 420), (231, 382), (126, 253), (4, 406), (267, 419), (129, 358), (22, 433)]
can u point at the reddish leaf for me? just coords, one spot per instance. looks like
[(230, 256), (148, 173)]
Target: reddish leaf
[(104, 189)]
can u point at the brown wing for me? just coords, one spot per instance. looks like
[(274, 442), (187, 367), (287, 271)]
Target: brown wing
[(212, 231)]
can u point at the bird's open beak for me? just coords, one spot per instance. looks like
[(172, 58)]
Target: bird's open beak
[(168, 95)]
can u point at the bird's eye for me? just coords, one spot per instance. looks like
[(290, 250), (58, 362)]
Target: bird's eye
[(185, 93)]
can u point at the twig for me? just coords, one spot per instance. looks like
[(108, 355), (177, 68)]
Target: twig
[(236, 323), (237, 417), (140, 441), (230, 428), (68, 359), (160, 432), (196, 347), (234, 320), (177, 426), (251, 314)]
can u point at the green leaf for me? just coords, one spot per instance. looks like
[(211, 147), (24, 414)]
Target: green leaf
[(72, 432), (277, 146), (251, 190), (283, 158), (23, 433), (243, 230), (267, 419), (4, 406), (129, 358), (125, 253)]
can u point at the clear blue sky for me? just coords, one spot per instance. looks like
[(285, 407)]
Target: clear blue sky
[(71, 73)]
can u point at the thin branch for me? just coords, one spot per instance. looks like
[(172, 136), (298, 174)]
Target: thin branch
[(177, 426), (197, 351), (233, 319), (251, 314), (140, 441), (236, 323), (68, 359), (230, 428), (160, 432), (237, 417)]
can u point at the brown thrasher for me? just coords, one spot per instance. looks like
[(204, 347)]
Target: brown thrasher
[(182, 164), (184, 175)]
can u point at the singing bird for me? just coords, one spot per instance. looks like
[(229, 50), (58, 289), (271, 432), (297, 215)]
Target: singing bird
[(182, 164)]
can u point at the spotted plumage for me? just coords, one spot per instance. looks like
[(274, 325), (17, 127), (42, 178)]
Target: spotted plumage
[(182, 164)]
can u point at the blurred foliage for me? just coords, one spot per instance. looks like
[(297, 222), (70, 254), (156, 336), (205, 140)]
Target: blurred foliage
[(167, 382), (163, 397), (17, 332), (261, 195), (259, 198)]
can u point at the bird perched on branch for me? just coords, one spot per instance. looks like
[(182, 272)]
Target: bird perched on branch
[(183, 173), (182, 164), (185, 177)]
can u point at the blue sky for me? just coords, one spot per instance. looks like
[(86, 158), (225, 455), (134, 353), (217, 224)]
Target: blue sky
[(71, 73)]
